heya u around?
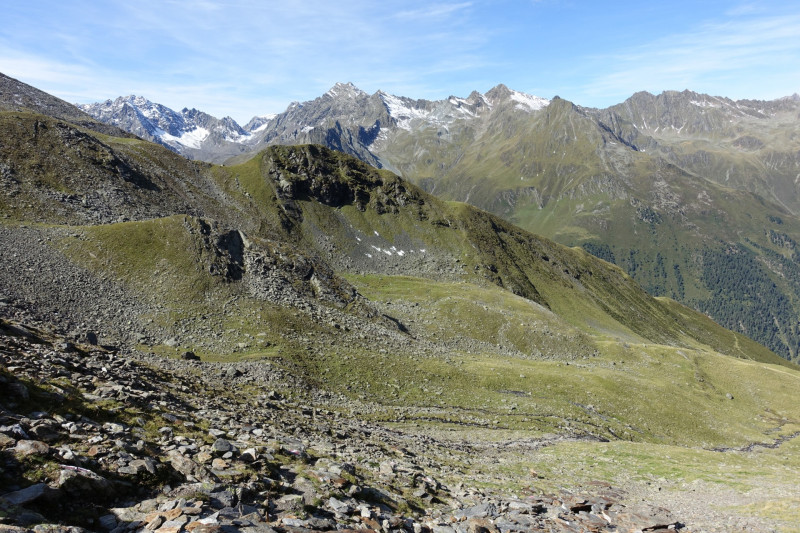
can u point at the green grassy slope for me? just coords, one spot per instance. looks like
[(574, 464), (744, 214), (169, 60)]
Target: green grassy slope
[(478, 247), (473, 354), (658, 204)]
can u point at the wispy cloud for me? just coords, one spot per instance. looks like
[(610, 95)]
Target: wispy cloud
[(257, 52), (718, 56), (432, 12), (246, 57)]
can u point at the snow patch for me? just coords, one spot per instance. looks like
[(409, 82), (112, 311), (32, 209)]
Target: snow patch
[(402, 112), (528, 102), (238, 137), (191, 139), (703, 103), (266, 119)]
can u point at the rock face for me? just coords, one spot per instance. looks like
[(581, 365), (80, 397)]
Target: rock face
[(144, 444)]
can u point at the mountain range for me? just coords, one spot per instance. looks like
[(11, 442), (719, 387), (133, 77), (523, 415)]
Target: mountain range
[(694, 196), (369, 119), (410, 336)]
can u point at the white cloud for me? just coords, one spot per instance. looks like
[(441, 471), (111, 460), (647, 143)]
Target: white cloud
[(722, 57), (248, 57), (253, 57), (432, 11)]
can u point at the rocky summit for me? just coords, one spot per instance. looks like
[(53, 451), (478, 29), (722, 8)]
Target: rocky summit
[(303, 341)]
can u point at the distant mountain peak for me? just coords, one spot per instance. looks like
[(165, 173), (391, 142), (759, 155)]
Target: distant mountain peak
[(499, 91), (523, 101), (345, 90)]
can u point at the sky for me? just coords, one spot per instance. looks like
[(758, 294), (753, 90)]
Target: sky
[(242, 58)]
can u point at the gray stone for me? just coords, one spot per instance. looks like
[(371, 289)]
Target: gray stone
[(108, 521), (26, 495), (31, 447), (15, 431), (482, 510), (289, 502), (176, 523), (249, 455), (222, 499), (182, 464), (339, 507), (114, 429), (222, 446), (6, 441), (46, 431), (138, 466), (80, 482), (321, 524)]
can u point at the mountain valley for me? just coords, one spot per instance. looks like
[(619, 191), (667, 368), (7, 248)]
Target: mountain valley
[(308, 337)]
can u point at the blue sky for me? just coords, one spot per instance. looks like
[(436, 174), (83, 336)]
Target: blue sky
[(249, 57)]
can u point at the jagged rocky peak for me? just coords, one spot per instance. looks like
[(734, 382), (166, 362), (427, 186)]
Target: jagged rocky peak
[(259, 122), (474, 101), (522, 101), (230, 124), (187, 129), (499, 91), (345, 90), (134, 100), (113, 110), (197, 118)]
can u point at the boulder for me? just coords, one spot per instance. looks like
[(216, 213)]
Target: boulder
[(28, 494), (31, 447)]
